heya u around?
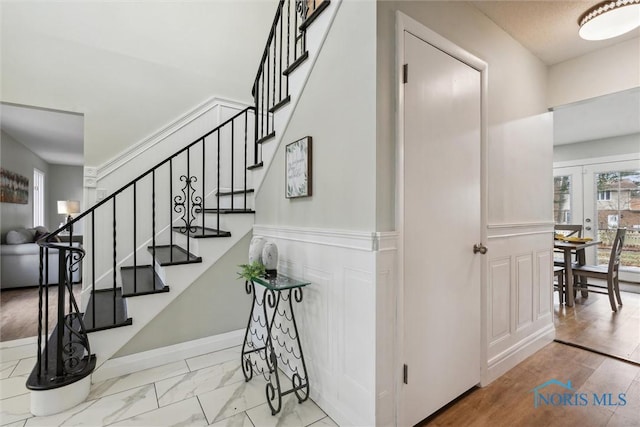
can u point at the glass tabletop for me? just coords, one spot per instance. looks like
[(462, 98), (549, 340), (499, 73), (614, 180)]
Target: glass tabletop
[(279, 282)]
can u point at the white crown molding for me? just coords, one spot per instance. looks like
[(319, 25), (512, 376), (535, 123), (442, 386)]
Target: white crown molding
[(147, 143), (358, 240)]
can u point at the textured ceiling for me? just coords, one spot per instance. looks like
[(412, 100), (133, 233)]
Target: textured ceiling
[(549, 29)]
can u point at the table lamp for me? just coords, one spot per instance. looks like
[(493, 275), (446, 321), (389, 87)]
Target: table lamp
[(68, 208)]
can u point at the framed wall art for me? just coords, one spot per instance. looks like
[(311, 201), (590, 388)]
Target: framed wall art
[(298, 168), (14, 188)]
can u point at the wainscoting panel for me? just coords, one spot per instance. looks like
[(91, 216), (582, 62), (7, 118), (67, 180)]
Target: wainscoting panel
[(519, 287), (500, 296), (337, 317), (524, 277)]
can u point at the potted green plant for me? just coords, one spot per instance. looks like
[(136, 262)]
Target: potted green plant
[(252, 270)]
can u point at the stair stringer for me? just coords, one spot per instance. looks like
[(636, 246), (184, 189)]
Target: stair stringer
[(143, 309), (316, 35)]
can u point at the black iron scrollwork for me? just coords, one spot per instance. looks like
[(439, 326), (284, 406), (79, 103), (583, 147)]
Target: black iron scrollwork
[(302, 7), (187, 204)]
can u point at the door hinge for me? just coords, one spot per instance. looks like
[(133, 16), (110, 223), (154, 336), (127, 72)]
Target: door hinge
[(405, 73), (405, 373)]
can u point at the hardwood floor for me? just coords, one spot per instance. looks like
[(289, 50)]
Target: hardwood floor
[(509, 401), (19, 311), (591, 323)]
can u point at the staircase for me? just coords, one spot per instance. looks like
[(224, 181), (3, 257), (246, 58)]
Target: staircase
[(151, 238)]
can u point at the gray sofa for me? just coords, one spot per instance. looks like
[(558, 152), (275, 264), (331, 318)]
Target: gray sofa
[(20, 260)]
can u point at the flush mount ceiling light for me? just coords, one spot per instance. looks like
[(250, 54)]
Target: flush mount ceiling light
[(609, 19)]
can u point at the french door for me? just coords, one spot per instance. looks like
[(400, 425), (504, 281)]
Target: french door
[(602, 197)]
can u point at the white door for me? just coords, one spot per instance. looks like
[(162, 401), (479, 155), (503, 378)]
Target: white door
[(442, 222)]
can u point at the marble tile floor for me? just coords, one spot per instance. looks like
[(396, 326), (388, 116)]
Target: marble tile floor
[(204, 390)]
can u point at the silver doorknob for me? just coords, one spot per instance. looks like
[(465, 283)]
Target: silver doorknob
[(479, 247)]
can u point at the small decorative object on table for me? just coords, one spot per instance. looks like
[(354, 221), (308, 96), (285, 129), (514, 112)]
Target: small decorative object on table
[(270, 259), (255, 249)]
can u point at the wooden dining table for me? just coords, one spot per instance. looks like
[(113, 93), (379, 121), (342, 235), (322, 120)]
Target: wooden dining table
[(568, 248)]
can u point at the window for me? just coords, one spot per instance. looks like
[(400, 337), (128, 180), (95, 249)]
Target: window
[(604, 195), (38, 197)]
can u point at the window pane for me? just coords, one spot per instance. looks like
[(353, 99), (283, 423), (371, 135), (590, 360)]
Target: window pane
[(562, 199), (618, 205)]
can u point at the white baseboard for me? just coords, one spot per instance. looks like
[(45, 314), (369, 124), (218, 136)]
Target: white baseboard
[(161, 356), (518, 352)]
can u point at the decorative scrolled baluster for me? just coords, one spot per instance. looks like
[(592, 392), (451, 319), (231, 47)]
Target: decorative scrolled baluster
[(187, 204)]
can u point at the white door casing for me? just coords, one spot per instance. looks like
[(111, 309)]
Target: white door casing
[(442, 346)]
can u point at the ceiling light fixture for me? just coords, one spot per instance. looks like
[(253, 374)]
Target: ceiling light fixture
[(609, 19)]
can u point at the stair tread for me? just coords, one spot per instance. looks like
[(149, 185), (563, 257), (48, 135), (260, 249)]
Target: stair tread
[(280, 104), (317, 12), (103, 300), (173, 255), (256, 166), (295, 64), (144, 281), (234, 192), (229, 211), (47, 380), (267, 137), (198, 232)]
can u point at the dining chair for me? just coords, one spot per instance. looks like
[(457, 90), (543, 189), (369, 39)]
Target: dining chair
[(558, 274), (609, 273), (568, 230)]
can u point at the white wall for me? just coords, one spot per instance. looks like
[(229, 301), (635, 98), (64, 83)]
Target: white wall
[(129, 67), (517, 79), (604, 71), (337, 109), (615, 146), (64, 183), (15, 157)]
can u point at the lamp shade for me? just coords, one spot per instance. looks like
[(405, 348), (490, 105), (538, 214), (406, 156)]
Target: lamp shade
[(609, 19), (68, 207)]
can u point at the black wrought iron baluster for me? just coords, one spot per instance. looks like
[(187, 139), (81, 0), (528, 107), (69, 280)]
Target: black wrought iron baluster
[(93, 267), (170, 209), (244, 169), (288, 42), (262, 132), (188, 200), (135, 259), (46, 307), (218, 186), (295, 33), (60, 330), (232, 146), (255, 127), (153, 226), (280, 61), (275, 51), (266, 110), (114, 261), (40, 308), (204, 180)]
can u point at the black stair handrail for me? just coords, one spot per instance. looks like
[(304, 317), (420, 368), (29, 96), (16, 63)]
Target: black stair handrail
[(71, 331)]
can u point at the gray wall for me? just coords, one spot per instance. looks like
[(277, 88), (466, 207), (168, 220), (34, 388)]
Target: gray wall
[(15, 157), (517, 79), (65, 183), (337, 109), (214, 304), (619, 145)]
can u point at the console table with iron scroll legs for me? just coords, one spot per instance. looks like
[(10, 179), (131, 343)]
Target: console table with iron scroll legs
[(272, 341)]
